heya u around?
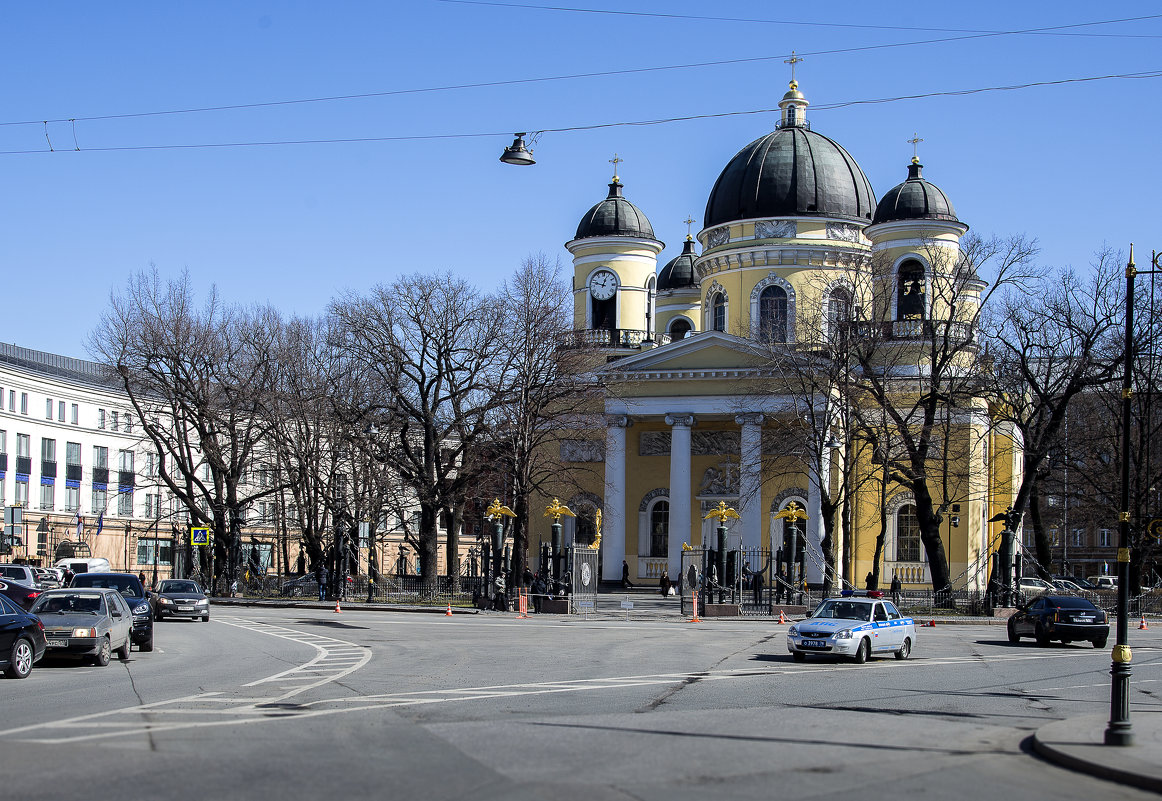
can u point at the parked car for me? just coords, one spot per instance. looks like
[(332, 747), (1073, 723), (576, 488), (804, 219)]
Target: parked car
[(1104, 582), (1065, 618), (180, 598), (22, 574), (1029, 585), (22, 641), (1079, 581), (135, 595), (49, 577), (20, 594), (89, 623), (1065, 585), (299, 587)]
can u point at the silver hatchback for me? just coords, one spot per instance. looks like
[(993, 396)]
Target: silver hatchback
[(88, 622)]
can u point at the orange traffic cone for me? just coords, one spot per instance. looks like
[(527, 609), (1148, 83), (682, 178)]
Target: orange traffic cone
[(1143, 625), (338, 611), (782, 617), (449, 612), (695, 619), (932, 623)]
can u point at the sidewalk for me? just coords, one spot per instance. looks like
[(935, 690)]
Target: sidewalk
[(1077, 743)]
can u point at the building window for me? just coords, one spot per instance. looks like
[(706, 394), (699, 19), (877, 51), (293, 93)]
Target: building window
[(150, 549), (101, 419), (47, 450), (1054, 537), (100, 500), (23, 445), (125, 461), (116, 421), (48, 408), (60, 411), (1078, 538), (74, 414), (1105, 538), (680, 328), (125, 503), (72, 499), (11, 400), (773, 314), (660, 529), (24, 403), (100, 457), (128, 423), (47, 497), (718, 312), (21, 493), (907, 534), (838, 313), (910, 291), (152, 505)]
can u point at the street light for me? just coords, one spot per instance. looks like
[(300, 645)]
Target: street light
[(1118, 731)]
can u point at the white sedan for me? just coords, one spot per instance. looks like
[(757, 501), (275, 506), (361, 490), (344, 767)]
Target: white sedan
[(854, 626)]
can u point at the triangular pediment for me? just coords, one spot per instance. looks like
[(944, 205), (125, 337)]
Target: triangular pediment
[(711, 350)]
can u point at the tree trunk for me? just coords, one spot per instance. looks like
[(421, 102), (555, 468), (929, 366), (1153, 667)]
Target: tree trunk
[(429, 546)]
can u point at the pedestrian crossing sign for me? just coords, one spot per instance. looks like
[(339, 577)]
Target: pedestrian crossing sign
[(199, 536)]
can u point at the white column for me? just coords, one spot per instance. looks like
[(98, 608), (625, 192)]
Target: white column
[(813, 569), (613, 514), (680, 498), (751, 480)]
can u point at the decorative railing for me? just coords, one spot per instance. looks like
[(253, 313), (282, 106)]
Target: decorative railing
[(907, 572), (651, 567), (612, 338)]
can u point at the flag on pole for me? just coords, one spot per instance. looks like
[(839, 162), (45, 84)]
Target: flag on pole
[(100, 522), (80, 526)]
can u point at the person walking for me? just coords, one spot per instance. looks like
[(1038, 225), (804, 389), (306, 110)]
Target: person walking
[(625, 583), (664, 582), (896, 590), (321, 579), (756, 587)]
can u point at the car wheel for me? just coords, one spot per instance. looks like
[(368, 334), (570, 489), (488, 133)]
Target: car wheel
[(905, 649), (205, 618), (1042, 636), (863, 651), (101, 658), (158, 617), (123, 651), (147, 646), (1013, 635), (20, 660), (1100, 642), (798, 656)]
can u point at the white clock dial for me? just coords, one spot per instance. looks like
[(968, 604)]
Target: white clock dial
[(603, 285)]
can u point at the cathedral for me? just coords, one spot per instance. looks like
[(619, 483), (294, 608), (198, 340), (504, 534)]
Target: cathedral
[(793, 239)]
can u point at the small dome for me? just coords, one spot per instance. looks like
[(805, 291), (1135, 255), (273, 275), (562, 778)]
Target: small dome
[(614, 216), (792, 172), (915, 199), (679, 272)]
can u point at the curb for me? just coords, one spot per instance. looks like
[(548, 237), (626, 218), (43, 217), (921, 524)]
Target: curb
[(325, 606), (1077, 744)]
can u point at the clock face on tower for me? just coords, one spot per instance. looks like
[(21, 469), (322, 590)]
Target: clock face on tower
[(603, 285)]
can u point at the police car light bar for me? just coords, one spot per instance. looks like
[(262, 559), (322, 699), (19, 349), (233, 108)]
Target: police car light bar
[(862, 593)]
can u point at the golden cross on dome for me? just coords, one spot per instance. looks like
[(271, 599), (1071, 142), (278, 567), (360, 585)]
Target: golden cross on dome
[(615, 161), (914, 142), (793, 60), (689, 221)]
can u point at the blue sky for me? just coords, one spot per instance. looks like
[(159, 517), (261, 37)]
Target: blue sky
[(1075, 165)]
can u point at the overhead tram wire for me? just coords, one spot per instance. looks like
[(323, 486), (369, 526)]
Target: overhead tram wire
[(1055, 30), (573, 76), (1157, 73)]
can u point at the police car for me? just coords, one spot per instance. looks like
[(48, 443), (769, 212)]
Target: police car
[(857, 625)]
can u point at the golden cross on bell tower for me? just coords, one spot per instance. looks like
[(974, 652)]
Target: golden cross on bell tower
[(615, 161), (793, 60), (914, 142), (689, 222)]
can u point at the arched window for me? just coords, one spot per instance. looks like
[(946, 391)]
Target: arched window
[(838, 314), (660, 529), (907, 534), (718, 312), (651, 299), (910, 291), (680, 328), (773, 314)]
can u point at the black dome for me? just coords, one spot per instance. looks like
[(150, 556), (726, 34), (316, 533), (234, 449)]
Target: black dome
[(792, 172), (915, 199), (614, 216), (679, 271)]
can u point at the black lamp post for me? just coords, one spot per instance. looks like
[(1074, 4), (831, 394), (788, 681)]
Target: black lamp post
[(1118, 732)]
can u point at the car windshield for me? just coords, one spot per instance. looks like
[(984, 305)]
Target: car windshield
[(847, 610), (68, 603), (128, 586), (178, 586)]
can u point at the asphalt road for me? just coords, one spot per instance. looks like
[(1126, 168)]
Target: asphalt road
[(290, 704)]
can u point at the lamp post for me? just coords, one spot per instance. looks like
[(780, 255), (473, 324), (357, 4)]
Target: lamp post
[(496, 512), (1118, 732), (721, 513), (555, 510), (793, 513)]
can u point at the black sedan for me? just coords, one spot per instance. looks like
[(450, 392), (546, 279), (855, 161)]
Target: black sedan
[(22, 641), (1065, 618), (135, 596), (180, 598), (20, 594)]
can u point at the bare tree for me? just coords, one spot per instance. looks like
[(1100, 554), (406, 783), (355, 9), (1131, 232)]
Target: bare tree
[(197, 377)]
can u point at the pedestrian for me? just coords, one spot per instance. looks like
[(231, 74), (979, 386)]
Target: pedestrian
[(756, 587), (302, 562), (141, 577), (538, 591), (664, 582), (896, 590), (870, 582), (625, 583), (500, 600), (321, 579), (527, 577)]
